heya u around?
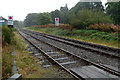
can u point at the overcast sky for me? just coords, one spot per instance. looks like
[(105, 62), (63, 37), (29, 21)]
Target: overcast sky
[(20, 8)]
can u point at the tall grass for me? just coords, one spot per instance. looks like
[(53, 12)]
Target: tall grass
[(7, 48), (94, 36), (7, 62)]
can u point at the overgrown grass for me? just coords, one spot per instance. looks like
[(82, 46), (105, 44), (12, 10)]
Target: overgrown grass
[(7, 62), (7, 48), (93, 36)]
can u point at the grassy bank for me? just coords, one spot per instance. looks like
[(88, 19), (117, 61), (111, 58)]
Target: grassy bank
[(7, 61), (7, 48), (92, 36), (26, 64)]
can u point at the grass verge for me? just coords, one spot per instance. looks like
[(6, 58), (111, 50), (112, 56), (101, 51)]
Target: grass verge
[(7, 61), (92, 36), (27, 64), (7, 48)]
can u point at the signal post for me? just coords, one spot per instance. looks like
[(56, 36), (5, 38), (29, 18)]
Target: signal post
[(10, 21), (56, 21)]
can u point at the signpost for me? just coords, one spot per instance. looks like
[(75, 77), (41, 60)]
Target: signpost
[(56, 21), (10, 21)]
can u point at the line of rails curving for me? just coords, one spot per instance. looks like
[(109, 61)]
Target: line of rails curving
[(72, 58)]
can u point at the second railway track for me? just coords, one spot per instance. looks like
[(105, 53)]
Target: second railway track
[(64, 58), (102, 58), (105, 50)]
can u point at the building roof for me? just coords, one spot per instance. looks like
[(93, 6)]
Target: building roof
[(3, 19)]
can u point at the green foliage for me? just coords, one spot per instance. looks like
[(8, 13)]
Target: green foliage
[(44, 18), (7, 35), (30, 19), (7, 62), (98, 35), (105, 36), (18, 23), (88, 34), (95, 36), (55, 14), (96, 6), (85, 13), (62, 15), (113, 9), (84, 18)]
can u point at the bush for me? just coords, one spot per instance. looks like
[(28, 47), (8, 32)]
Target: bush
[(44, 18), (105, 27), (7, 35), (84, 18), (84, 32)]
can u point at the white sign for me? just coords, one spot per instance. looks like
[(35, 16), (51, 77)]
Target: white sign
[(56, 21), (10, 22)]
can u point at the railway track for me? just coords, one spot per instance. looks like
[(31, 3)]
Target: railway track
[(63, 57), (104, 50), (104, 59)]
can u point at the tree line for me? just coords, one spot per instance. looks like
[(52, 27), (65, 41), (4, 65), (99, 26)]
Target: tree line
[(80, 16)]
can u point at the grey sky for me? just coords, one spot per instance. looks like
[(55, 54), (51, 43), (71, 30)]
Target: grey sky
[(20, 8)]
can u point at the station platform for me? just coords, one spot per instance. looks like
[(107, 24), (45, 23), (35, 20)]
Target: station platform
[(93, 73)]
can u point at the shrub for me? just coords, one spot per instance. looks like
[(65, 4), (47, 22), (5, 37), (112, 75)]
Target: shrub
[(84, 18), (7, 35), (62, 26), (105, 27), (47, 25)]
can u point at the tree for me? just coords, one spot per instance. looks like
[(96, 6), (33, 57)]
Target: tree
[(55, 14), (63, 14), (84, 18), (18, 23), (98, 6), (85, 13), (113, 9), (44, 18), (31, 19), (95, 6)]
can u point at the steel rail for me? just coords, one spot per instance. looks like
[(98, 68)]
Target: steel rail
[(95, 64), (51, 59), (74, 43)]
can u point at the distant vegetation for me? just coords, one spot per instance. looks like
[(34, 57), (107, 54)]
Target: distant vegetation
[(85, 21), (81, 16)]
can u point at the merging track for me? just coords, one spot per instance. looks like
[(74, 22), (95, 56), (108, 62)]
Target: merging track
[(64, 57)]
